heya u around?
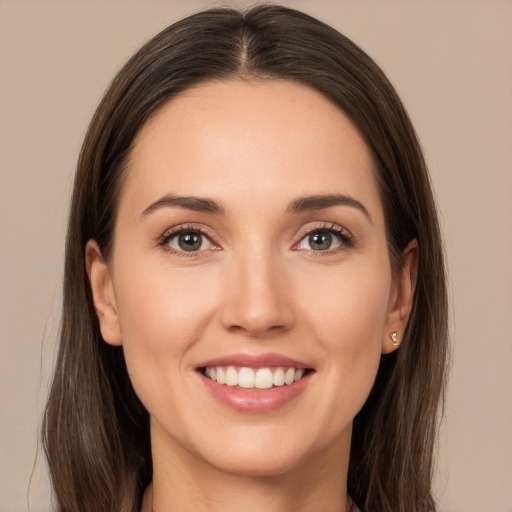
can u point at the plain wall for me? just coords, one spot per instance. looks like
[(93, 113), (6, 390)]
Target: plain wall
[(450, 62)]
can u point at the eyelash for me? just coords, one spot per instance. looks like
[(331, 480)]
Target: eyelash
[(345, 238), (176, 231)]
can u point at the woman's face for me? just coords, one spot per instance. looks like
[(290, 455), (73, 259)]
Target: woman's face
[(250, 248)]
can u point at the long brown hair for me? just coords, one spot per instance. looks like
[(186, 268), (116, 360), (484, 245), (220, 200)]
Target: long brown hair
[(95, 430)]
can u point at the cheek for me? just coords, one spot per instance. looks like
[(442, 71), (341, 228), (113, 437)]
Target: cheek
[(349, 308), (162, 313), (162, 305), (347, 320)]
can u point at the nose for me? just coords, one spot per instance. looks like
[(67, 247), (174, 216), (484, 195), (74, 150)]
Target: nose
[(257, 297)]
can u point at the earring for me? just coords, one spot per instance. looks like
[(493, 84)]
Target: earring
[(394, 337)]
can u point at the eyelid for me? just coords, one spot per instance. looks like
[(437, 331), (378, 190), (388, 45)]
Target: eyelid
[(163, 240), (347, 239)]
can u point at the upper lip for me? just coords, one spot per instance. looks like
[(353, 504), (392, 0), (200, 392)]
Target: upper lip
[(254, 361)]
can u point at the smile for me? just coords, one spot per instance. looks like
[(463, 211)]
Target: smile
[(255, 383), (252, 378)]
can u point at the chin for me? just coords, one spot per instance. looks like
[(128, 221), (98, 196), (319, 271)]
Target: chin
[(257, 464), (271, 452)]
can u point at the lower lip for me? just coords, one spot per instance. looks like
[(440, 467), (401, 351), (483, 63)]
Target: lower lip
[(255, 400)]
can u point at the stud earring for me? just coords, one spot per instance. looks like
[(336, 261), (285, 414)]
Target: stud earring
[(394, 337)]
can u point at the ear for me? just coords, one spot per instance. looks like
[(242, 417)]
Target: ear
[(401, 297), (103, 293)]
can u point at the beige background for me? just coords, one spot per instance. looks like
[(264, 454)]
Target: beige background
[(451, 63)]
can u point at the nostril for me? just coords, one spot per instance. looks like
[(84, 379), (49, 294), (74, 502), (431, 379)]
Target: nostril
[(256, 303)]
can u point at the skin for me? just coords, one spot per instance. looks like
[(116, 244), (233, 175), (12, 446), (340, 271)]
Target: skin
[(257, 285)]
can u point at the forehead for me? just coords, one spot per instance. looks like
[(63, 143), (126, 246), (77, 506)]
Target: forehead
[(275, 139)]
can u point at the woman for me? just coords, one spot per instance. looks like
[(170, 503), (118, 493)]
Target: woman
[(254, 300)]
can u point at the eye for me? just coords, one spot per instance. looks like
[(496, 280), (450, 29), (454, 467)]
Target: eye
[(319, 241), (188, 241), (324, 239)]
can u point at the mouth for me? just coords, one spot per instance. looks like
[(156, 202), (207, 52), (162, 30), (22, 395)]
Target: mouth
[(258, 379), (255, 383)]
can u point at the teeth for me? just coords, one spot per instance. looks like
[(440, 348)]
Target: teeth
[(247, 378), (289, 376), (221, 376), (264, 378), (279, 377), (231, 377)]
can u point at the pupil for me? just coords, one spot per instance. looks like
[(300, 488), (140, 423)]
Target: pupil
[(190, 241), (320, 241)]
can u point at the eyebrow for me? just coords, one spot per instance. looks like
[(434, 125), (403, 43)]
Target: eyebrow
[(299, 205), (318, 202), (197, 204)]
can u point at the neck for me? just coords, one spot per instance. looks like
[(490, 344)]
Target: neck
[(185, 482)]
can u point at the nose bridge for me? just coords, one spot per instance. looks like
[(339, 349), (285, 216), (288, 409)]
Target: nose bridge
[(257, 301)]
